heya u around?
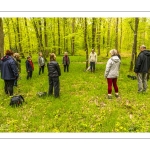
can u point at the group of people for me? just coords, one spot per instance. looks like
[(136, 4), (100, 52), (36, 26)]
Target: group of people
[(10, 69), (141, 69)]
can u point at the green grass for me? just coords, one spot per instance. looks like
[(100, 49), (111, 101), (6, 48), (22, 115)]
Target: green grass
[(82, 106)]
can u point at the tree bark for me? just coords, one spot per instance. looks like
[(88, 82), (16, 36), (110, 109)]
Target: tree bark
[(1, 38), (116, 40), (120, 35), (93, 32), (28, 39), (99, 37), (73, 37), (108, 36), (58, 36), (85, 42), (134, 49)]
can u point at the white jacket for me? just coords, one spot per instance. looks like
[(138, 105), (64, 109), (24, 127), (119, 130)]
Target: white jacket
[(93, 57), (112, 67)]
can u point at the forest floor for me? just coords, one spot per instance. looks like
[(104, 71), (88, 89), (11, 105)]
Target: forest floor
[(83, 105)]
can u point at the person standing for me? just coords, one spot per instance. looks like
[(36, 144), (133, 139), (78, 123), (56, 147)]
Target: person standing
[(141, 68), (54, 72), (18, 63), (29, 67), (112, 73), (66, 62), (92, 60), (9, 72), (41, 63)]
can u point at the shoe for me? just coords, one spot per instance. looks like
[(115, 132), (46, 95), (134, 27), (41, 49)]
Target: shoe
[(116, 95), (109, 97)]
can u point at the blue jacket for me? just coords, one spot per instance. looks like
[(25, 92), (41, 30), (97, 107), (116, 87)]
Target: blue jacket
[(9, 69)]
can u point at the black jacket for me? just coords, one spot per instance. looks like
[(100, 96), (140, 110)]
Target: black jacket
[(9, 69), (142, 63), (28, 66), (53, 69)]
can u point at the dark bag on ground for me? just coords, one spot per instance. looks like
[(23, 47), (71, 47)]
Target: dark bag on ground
[(41, 94), (16, 100)]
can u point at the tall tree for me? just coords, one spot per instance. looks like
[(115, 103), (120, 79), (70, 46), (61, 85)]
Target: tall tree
[(73, 37), (15, 31), (27, 33), (99, 36), (40, 34), (45, 33), (1, 39), (53, 35), (116, 40), (93, 32), (85, 41), (58, 21), (19, 36), (134, 48), (108, 36), (120, 35)]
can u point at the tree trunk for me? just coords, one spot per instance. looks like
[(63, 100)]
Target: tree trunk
[(120, 35), (58, 36), (45, 34), (19, 39), (108, 36), (53, 35), (37, 34), (1, 39), (14, 28), (85, 42), (73, 37), (40, 35), (93, 32), (134, 49), (116, 40), (99, 37), (28, 39)]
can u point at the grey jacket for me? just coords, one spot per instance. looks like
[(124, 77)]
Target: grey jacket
[(112, 67), (41, 61)]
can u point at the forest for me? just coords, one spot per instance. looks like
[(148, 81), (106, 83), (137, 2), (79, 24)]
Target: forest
[(77, 36), (82, 106)]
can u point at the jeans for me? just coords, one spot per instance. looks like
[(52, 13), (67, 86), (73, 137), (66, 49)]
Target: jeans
[(29, 75), (142, 81), (92, 66), (66, 66), (9, 87), (54, 84), (41, 69)]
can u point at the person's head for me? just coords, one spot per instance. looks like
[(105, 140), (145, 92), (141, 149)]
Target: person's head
[(9, 52), (113, 52), (16, 55), (40, 54), (65, 53), (29, 58), (142, 47), (52, 57), (93, 50)]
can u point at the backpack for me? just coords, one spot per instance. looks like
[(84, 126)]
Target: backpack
[(41, 94), (16, 100)]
